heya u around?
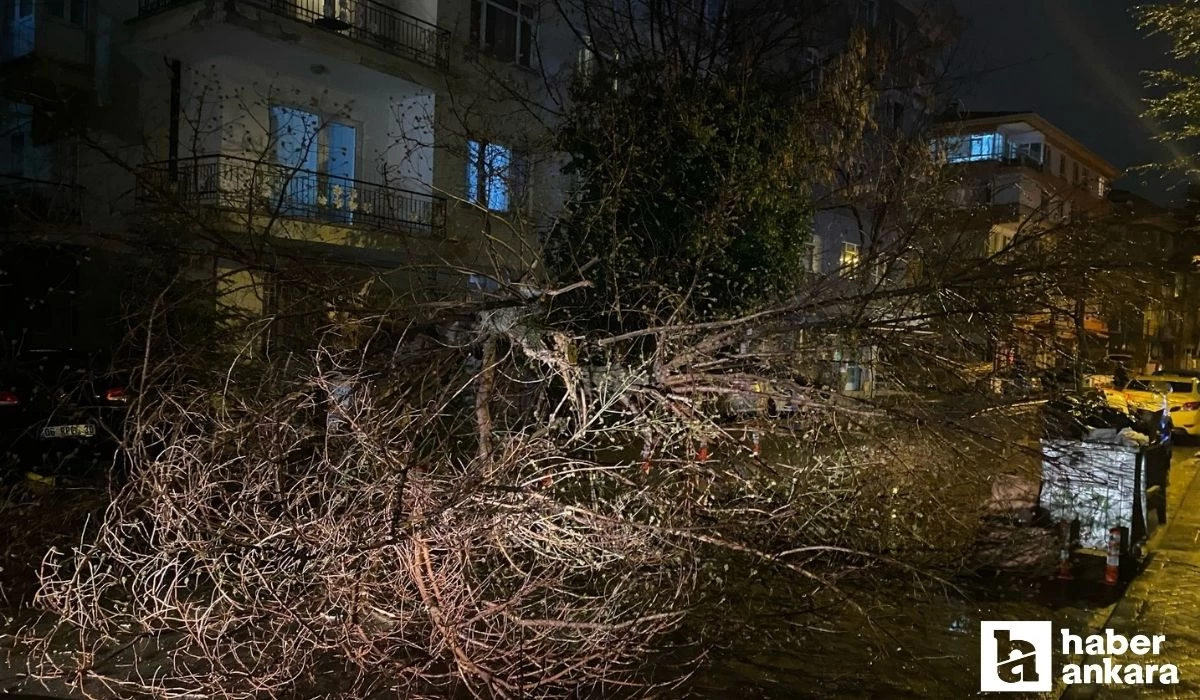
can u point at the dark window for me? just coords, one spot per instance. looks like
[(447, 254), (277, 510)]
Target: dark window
[(16, 147), (504, 29), (870, 12)]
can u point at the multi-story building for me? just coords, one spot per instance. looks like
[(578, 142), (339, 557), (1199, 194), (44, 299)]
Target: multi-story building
[(1158, 325), (850, 228), (1026, 175), (250, 134)]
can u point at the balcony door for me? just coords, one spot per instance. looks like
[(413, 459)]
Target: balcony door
[(339, 170), (334, 15), (317, 164), (19, 29)]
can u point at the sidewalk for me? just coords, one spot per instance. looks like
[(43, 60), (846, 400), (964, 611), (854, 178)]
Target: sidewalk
[(1165, 598)]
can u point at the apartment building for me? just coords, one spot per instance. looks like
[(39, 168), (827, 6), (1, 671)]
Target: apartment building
[(847, 231), (377, 136), (1027, 175)]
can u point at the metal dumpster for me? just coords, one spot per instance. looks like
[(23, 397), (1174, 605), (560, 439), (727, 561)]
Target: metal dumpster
[(1109, 479)]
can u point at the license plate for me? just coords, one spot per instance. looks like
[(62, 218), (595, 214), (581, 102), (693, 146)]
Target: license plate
[(62, 431)]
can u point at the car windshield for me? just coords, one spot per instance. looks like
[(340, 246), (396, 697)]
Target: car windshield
[(1155, 387)]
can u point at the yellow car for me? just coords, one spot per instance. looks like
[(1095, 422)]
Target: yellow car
[(1180, 396)]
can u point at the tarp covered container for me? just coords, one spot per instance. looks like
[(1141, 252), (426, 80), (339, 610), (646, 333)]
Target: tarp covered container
[(1096, 486)]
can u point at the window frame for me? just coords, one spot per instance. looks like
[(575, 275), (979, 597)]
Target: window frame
[(814, 77), (324, 180), (480, 175), (870, 10), (851, 254), (524, 14)]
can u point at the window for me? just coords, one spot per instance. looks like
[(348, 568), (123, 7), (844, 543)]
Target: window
[(495, 176), (899, 35), (319, 160), (20, 33), (897, 115), (1101, 187), (813, 70), (814, 254), (975, 147), (850, 254), (590, 60), (710, 10), (1062, 165), (1075, 172), (504, 29), (74, 11), (16, 153), (870, 12), (1027, 152)]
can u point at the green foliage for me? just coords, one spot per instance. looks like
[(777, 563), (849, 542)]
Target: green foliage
[(1175, 108), (692, 198)]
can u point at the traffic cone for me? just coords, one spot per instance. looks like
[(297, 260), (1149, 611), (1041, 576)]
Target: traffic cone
[(1112, 564), (1064, 553), (1064, 565)]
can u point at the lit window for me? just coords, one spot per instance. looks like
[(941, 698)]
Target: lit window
[(974, 147), (1101, 187), (850, 254), (504, 29), (317, 163), (494, 175)]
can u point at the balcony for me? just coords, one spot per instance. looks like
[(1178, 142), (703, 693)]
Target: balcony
[(269, 190), (54, 30), (365, 21), (29, 201)]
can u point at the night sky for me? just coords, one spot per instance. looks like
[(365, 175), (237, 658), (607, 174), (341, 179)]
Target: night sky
[(1077, 63)]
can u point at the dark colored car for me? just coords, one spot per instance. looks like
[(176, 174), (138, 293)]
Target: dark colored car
[(60, 410), (1178, 373)]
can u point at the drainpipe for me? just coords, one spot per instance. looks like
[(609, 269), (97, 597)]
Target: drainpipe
[(173, 146)]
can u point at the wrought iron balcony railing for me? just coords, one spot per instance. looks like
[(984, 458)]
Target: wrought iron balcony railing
[(46, 201), (257, 187), (366, 21)]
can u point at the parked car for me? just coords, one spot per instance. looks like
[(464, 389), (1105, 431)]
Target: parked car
[(1178, 372), (1178, 395), (59, 407)]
